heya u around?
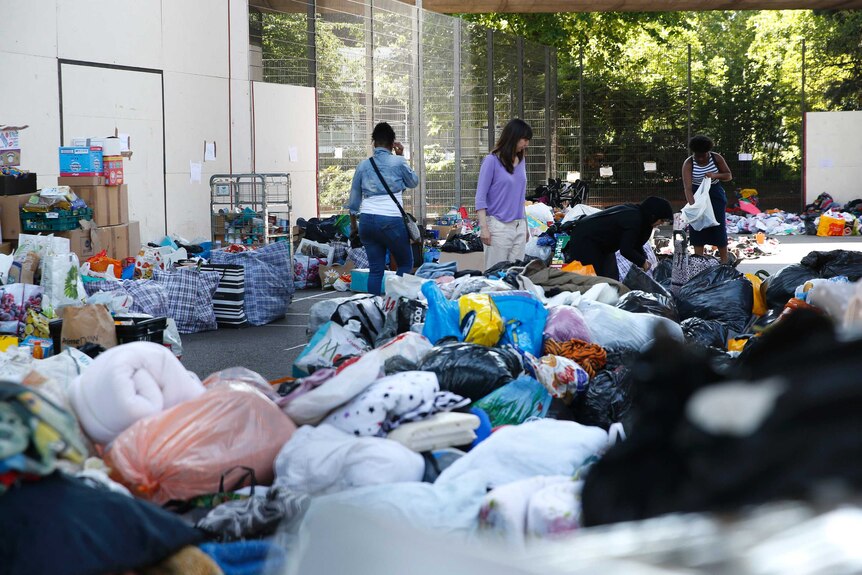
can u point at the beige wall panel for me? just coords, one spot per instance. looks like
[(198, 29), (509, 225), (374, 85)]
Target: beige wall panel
[(34, 101), (127, 33), (285, 117)]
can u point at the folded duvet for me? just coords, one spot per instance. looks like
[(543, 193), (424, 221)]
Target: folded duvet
[(127, 383), (438, 431)]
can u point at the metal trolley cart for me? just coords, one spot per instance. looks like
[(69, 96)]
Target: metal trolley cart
[(250, 209)]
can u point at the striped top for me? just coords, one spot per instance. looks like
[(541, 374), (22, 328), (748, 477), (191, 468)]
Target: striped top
[(697, 171)]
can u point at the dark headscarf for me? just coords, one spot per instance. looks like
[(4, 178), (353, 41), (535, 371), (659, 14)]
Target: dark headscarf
[(655, 209)]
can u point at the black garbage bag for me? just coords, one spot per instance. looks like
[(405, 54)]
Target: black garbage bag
[(409, 312), (471, 370), (317, 230), (705, 332), (835, 263), (720, 293), (607, 399), (364, 317), (637, 279), (397, 364), (463, 243), (662, 273), (642, 302), (780, 286)]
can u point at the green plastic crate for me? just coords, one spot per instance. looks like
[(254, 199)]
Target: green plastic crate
[(57, 221)]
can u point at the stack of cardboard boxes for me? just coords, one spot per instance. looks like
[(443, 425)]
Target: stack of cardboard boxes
[(110, 229)]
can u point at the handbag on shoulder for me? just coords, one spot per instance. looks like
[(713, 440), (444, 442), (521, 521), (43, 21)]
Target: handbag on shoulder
[(413, 231)]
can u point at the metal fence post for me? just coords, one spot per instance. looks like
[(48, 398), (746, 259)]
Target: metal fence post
[(581, 113), (548, 128), (802, 106), (419, 203), (311, 35), (688, 105), (554, 122), (519, 44), (490, 75), (457, 120), (369, 72)]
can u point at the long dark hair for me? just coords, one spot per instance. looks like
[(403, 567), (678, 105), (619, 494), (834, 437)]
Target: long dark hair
[(508, 142)]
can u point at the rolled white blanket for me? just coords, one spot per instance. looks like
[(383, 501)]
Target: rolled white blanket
[(127, 383)]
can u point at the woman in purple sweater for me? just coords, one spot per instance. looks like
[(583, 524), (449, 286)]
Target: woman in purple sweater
[(500, 196)]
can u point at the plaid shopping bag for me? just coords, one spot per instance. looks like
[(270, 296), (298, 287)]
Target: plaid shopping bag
[(268, 280), (147, 296), (358, 257), (190, 297)]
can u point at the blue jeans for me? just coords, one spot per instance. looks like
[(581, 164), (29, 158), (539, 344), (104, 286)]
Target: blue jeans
[(379, 234)]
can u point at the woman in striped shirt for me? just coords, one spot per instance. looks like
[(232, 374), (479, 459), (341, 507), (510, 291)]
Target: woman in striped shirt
[(704, 163)]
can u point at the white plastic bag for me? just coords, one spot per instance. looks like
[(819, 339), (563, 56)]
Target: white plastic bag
[(620, 329), (61, 282), (541, 212), (330, 343), (315, 250), (700, 214)]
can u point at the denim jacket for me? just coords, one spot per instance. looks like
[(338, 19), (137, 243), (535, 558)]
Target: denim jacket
[(395, 170)]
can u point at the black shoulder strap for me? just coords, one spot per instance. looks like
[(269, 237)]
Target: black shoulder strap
[(385, 185)]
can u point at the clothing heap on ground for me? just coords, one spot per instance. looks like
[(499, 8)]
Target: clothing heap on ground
[(517, 405)]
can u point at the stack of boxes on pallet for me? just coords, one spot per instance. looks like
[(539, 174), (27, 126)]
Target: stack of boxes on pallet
[(94, 171)]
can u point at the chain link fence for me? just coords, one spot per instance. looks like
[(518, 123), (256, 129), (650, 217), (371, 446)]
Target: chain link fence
[(445, 85), (629, 140)]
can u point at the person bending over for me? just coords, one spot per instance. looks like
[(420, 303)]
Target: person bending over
[(595, 239)]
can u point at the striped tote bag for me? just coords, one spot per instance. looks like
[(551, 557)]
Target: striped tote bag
[(229, 297)]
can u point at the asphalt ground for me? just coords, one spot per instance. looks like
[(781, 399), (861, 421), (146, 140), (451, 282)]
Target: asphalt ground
[(271, 349)]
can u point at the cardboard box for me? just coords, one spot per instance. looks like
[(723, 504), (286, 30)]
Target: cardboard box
[(10, 215), (84, 161), (15, 186), (119, 242), (80, 242), (79, 180), (469, 261), (444, 231), (110, 204), (113, 169)]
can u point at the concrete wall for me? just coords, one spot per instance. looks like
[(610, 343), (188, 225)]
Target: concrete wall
[(199, 52), (833, 155)]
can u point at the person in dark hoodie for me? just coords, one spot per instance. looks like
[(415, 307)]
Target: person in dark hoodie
[(596, 238)]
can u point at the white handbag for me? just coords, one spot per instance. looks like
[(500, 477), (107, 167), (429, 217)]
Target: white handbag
[(700, 214)]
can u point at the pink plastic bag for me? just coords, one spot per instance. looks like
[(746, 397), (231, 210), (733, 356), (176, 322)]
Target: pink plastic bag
[(182, 452), (566, 322), (748, 208)]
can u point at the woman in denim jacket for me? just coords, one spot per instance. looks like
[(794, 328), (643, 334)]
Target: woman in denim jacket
[(380, 224)]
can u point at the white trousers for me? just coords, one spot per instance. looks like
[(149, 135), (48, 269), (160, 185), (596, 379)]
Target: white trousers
[(508, 240)]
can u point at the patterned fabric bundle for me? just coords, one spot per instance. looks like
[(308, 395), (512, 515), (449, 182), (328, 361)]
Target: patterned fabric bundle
[(589, 356)]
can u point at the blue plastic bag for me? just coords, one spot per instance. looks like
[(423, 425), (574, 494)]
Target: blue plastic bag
[(524, 317), (516, 402), (443, 317)]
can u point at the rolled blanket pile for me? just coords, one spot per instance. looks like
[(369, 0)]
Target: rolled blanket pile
[(127, 383)]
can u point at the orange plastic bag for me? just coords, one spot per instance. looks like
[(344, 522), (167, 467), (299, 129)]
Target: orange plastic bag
[(100, 262), (182, 452), (830, 226), (578, 268)]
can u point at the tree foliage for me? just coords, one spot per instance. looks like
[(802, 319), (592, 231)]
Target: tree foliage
[(746, 80)]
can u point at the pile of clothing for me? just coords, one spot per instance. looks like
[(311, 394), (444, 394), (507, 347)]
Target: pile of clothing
[(520, 405)]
